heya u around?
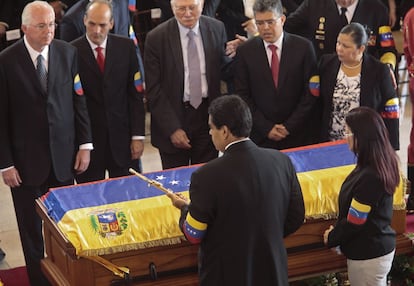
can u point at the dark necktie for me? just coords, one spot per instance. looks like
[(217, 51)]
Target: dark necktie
[(344, 20), (41, 72), (194, 73), (100, 58), (274, 66)]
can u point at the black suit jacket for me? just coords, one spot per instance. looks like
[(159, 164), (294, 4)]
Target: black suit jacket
[(319, 21), (164, 67), (291, 103), (116, 108), (251, 199), (376, 89), (40, 131)]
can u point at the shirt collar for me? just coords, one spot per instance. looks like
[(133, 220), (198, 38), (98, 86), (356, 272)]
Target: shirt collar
[(184, 30), (235, 142), (94, 46), (350, 9), (278, 42), (33, 53)]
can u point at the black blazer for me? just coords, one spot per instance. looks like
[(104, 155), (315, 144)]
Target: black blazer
[(376, 89), (164, 68), (319, 21), (115, 106), (291, 103), (40, 131), (251, 199)]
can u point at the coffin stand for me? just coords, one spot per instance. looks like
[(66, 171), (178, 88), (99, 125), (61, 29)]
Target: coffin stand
[(177, 264)]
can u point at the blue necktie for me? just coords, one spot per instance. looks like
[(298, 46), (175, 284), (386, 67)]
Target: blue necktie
[(41, 72), (194, 72)]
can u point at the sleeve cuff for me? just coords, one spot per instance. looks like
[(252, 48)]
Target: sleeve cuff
[(86, 146)]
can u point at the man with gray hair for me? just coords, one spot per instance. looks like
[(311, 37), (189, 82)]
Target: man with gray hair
[(45, 134), (183, 60)]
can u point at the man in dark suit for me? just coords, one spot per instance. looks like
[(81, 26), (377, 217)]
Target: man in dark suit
[(178, 127), (242, 204), (320, 21), (72, 26), (44, 126), (281, 106), (114, 95)]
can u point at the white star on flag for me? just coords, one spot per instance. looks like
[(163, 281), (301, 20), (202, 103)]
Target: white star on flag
[(159, 178), (174, 182)]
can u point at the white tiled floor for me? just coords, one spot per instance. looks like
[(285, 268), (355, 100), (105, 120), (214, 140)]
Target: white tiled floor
[(9, 236)]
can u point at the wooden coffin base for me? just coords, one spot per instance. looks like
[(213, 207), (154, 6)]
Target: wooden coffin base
[(177, 264)]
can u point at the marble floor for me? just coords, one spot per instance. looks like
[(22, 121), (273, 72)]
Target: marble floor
[(9, 236)]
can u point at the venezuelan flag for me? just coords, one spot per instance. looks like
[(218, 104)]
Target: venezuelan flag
[(132, 5), (138, 82), (132, 35), (77, 85), (358, 212), (314, 85), (386, 38), (126, 213), (391, 109), (194, 230)]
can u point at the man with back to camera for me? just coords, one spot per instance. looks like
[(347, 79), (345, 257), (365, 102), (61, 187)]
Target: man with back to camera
[(242, 204)]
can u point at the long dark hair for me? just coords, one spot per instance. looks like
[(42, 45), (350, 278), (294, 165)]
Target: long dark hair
[(372, 145)]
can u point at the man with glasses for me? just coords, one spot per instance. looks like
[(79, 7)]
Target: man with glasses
[(115, 95), (183, 59), (272, 74), (45, 134)]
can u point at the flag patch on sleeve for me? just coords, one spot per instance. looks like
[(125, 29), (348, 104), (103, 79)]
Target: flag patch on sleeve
[(77, 85), (132, 6), (358, 212), (314, 85), (391, 109), (193, 229), (386, 38), (138, 82)]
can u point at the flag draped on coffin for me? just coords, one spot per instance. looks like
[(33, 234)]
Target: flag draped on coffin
[(126, 213)]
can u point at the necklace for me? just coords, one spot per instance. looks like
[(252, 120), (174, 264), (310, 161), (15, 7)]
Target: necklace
[(353, 67)]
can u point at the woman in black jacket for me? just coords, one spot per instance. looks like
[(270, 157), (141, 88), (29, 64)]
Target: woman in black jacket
[(363, 231)]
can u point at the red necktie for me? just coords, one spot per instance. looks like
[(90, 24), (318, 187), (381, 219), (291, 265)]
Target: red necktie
[(100, 58), (274, 64)]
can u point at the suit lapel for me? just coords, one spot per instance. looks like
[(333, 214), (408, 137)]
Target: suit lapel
[(207, 44), (175, 45), (264, 61), (87, 55), (283, 65), (366, 80), (28, 66)]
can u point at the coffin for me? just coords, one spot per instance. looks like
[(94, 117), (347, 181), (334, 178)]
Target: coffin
[(164, 257)]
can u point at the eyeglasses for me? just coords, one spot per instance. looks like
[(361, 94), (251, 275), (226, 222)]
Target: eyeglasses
[(183, 9), (44, 26), (270, 22)]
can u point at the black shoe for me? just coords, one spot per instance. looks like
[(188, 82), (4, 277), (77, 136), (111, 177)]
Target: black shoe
[(2, 254)]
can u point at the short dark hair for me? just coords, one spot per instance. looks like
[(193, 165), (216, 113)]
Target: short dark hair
[(372, 145), (233, 112), (357, 32), (274, 6)]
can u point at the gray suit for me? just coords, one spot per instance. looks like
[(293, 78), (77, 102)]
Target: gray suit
[(165, 76)]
